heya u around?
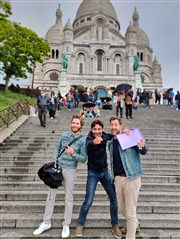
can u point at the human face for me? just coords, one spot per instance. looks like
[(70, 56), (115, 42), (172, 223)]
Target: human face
[(76, 125), (97, 130), (115, 127)]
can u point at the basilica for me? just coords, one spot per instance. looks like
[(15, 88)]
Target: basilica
[(98, 56)]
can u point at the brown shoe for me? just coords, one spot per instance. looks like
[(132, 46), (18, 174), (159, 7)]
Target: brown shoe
[(124, 229), (116, 231), (78, 231)]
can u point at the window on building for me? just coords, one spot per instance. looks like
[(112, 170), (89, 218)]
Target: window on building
[(81, 68), (99, 60), (57, 54), (54, 76), (117, 69), (117, 57), (141, 56), (53, 54)]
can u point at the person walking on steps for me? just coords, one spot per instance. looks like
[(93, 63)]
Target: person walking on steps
[(68, 161), (42, 103), (126, 171), (98, 172), (128, 103)]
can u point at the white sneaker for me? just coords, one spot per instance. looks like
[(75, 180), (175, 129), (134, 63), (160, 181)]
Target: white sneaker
[(65, 232), (43, 227)]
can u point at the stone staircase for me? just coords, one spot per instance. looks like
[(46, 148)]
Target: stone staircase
[(23, 195)]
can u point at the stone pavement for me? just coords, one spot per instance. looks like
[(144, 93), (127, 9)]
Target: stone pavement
[(23, 195)]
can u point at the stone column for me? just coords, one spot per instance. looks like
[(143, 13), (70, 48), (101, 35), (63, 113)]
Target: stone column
[(137, 77), (63, 82)]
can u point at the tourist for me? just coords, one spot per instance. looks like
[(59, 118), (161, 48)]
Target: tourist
[(68, 161), (126, 171), (98, 172)]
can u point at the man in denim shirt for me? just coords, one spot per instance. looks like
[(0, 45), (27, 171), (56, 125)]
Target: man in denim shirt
[(68, 161), (126, 170)]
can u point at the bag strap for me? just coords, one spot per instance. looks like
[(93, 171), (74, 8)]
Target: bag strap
[(72, 142)]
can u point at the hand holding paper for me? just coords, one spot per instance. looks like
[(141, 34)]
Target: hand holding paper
[(127, 141)]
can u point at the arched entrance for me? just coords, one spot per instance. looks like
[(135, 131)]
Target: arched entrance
[(101, 92), (80, 89)]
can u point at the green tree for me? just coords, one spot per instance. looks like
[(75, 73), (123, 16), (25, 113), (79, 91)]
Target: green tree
[(5, 9), (20, 49)]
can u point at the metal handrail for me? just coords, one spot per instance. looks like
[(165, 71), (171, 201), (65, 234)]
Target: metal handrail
[(12, 113)]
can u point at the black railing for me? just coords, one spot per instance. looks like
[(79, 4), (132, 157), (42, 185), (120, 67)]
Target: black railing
[(12, 113)]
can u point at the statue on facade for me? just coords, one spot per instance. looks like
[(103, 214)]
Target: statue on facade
[(64, 61), (136, 63)]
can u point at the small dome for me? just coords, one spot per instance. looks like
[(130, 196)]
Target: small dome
[(141, 37), (130, 28), (68, 25), (55, 33), (155, 62)]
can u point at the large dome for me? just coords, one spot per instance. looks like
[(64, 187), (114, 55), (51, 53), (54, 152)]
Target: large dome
[(94, 6)]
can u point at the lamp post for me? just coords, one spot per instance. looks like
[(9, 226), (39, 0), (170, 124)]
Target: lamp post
[(32, 86)]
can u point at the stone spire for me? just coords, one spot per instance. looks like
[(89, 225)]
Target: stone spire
[(135, 18), (59, 14)]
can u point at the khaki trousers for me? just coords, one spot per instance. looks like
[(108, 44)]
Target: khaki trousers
[(127, 191), (69, 181)]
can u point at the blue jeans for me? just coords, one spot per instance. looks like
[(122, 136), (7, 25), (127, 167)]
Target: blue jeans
[(105, 179), (69, 105)]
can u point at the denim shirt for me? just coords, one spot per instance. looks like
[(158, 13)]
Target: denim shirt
[(66, 160), (130, 159)]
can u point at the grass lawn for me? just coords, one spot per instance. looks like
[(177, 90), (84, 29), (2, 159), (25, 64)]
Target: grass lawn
[(9, 98)]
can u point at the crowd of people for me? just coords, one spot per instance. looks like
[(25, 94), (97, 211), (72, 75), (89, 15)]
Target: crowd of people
[(124, 101)]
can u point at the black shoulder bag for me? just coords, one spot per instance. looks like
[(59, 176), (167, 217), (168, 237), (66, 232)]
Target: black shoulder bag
[(51, 176)]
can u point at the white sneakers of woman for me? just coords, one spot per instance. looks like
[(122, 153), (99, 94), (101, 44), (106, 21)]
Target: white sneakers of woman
[(43, 227), (65, 232)]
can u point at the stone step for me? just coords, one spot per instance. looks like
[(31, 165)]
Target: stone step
[(36, 164), (94, 220), (97, 207), (147, 171), (50, 149), (145, 178), (37, 185), (10, 160), (51, 146), (35, 195), (48, 155), (89, 233)]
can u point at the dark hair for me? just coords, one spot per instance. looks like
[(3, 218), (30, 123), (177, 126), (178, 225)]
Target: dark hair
[(78, 117), (95, 122), (115, 118)]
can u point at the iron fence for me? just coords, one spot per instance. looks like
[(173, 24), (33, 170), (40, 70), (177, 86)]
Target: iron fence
[(12, 113)]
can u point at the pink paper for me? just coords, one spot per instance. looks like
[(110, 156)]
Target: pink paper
[(128, 141)]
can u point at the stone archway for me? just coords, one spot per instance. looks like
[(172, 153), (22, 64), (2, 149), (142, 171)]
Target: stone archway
[(80, 89)]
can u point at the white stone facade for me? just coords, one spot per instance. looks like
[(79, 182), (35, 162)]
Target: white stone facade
[(99, 56)]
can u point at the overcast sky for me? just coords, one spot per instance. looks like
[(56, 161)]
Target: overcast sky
[(159, 20)]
